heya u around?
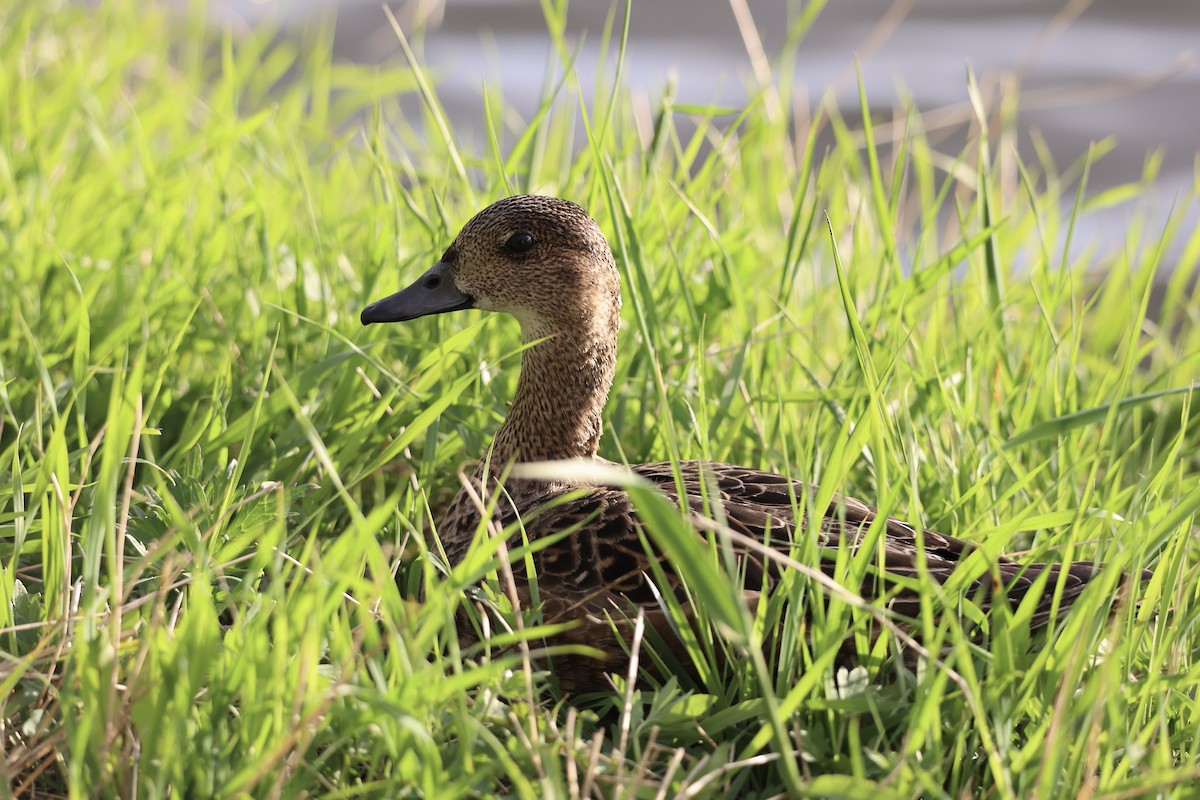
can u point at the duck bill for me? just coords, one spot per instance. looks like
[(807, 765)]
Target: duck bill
[(432, 293)]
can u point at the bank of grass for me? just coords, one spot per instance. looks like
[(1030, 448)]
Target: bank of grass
[(214, 485)]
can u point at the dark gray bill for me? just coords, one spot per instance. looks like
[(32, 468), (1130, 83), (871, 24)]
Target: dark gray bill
[(432, 293)]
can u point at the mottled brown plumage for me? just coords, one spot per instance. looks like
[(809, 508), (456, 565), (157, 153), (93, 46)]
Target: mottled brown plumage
[(545, 261)]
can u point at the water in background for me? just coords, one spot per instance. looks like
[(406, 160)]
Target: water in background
[(1087, 70)]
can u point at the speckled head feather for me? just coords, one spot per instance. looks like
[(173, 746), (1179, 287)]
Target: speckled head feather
[(545, 261), (541, 259)]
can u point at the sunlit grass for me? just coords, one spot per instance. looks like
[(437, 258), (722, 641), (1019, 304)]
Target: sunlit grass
[(215, 487)]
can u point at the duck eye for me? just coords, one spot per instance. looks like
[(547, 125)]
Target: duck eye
[(519, 243)]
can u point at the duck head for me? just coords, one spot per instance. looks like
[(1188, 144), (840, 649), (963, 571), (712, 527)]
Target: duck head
[(541, 259)]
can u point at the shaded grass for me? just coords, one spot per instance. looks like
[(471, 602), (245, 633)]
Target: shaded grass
[(215, 488)]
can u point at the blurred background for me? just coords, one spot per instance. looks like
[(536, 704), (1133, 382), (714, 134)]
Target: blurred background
[(1111, 70)]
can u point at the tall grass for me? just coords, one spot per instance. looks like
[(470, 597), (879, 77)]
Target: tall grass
[(216, 488)]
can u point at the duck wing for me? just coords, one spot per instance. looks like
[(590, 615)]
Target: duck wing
[(598, 559), (762, 505), (593, 568)]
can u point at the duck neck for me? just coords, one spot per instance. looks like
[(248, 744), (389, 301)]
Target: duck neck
[(566, 374)]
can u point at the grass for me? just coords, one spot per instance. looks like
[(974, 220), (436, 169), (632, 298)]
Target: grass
[(215, 486)]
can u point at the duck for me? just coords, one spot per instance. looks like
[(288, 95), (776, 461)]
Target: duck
[(546, 262)]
